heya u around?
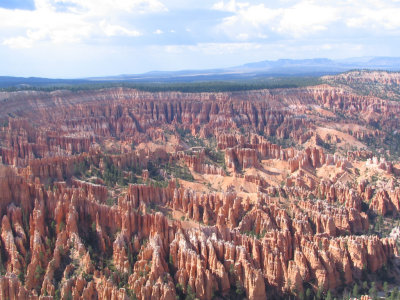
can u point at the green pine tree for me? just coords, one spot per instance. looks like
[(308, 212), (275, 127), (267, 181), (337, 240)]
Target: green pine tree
[(355, 290)]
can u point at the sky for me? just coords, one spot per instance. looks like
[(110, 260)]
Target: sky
[(85, 38)]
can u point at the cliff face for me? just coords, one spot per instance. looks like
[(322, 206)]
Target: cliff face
[(117, 193), (378, 83), (133, 115), (150, 249), (196, 162)]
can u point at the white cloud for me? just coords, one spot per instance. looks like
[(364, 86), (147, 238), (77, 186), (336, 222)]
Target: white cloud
[(43, 26), (246, 30), (242, 36), (103, 7), (387, 18), (248, 21), (301, 18), (72, 21), (117, 30), (230, 6), (306, 17), (18, 42)]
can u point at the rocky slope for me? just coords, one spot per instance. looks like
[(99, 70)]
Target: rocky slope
[(123, 194)]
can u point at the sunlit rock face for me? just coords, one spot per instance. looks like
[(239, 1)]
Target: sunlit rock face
[(119, 193)]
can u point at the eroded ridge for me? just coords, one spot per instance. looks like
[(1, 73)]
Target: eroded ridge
[(123, 194)]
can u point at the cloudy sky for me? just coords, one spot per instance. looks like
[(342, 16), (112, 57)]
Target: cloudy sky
[(79, 38)]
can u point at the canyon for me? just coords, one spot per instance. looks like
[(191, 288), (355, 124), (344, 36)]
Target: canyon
[(266, 194)]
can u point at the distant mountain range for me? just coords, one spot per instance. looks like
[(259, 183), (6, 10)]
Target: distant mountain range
[(279, 68)]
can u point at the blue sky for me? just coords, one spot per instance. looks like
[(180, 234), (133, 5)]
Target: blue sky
[(80, 38)]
